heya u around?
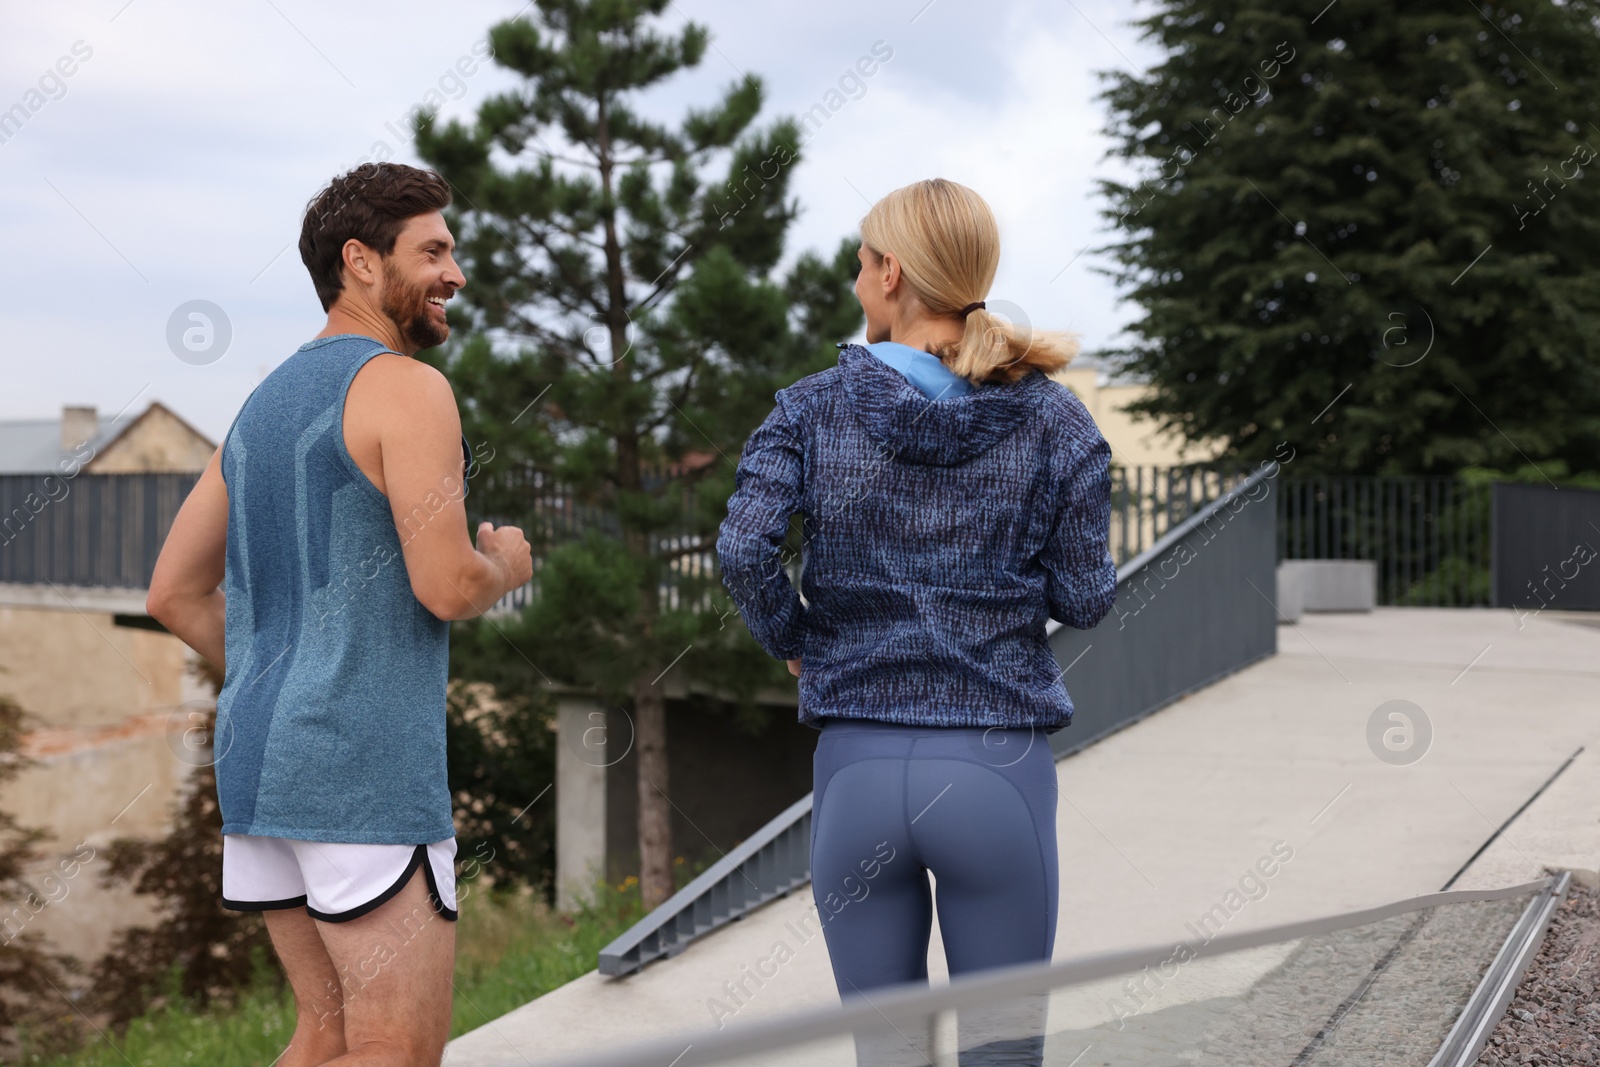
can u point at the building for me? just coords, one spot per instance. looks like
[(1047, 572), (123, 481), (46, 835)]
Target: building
[(107, 697), (1135, 441)]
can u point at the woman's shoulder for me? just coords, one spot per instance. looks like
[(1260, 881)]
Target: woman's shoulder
[(822, 382), (1066, 412)]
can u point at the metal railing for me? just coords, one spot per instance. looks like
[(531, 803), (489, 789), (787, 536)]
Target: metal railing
[(1327, 980), (1429, 536), (1146, 662), (1146, 502), (771, 863)]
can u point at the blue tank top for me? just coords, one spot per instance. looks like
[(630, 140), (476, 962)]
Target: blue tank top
[(331, 717)]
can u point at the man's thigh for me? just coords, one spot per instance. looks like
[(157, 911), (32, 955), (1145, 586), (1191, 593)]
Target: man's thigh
[(395, 965)]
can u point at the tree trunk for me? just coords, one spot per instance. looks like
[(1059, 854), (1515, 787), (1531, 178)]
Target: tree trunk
[(649, 706), (655, 814)]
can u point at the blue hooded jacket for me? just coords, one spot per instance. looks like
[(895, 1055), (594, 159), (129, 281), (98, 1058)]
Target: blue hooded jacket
[(939, 535)]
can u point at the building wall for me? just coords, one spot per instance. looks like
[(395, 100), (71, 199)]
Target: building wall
[(78, 669), (158, 441), (1135, 442), (106, 712)]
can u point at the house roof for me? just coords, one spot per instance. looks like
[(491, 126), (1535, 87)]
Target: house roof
[(33, 446)]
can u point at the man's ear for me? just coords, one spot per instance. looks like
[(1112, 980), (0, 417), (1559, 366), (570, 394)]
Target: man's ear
[(361, 262)]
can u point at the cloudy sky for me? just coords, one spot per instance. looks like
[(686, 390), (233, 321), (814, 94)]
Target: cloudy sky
[(173, 162)]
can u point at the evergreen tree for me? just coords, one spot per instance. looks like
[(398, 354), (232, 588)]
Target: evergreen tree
[(197, 951), (32, 978), (1383, 216), (626, 333)]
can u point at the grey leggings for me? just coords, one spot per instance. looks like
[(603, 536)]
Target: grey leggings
[(977, 808)]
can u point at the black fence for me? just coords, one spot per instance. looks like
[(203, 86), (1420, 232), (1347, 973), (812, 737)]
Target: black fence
[(1429, 536), (88, 530), (1146, 502), (1545, 546)]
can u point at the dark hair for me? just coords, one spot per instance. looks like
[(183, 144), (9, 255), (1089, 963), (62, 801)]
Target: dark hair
[(370, 204)]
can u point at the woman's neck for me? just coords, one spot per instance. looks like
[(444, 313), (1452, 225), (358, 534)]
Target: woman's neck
[(924, 335)]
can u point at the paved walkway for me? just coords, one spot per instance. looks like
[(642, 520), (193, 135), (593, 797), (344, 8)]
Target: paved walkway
[(1159, 822)]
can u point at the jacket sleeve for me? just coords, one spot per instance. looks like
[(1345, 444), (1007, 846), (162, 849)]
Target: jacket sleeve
[(750, 545), (1080, 575)]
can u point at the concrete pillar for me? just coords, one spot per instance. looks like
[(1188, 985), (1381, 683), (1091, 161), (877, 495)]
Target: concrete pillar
[(581, 761)]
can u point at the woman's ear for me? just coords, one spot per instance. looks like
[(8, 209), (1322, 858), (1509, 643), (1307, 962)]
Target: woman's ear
[(891, 273)]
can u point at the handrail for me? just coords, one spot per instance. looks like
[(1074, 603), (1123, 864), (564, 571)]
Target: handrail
[(903, 1007), (770, 863), (1477, 1020), (777, 858), (1180, 531)]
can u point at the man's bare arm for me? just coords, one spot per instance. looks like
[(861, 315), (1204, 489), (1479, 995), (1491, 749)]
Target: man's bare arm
[(184, 595), (420, 435)]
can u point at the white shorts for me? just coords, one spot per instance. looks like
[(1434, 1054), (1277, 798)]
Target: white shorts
[(334, 882)]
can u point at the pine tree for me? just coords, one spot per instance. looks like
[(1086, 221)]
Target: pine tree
[(626, 333), (1367, 229)]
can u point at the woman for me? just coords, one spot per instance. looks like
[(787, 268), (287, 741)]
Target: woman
[(954, 497)]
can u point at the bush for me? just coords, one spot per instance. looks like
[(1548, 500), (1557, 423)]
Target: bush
[(31, 977), (199, 951)]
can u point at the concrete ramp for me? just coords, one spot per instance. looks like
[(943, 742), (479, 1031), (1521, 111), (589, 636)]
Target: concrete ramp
[(1294, 765)]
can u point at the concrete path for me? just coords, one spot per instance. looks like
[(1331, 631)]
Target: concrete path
[(1168, 818)]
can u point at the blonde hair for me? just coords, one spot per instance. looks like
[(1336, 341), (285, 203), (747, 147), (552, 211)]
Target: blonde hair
[(948, 245)]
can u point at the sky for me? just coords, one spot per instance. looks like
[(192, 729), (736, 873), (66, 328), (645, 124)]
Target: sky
[(168, 150)]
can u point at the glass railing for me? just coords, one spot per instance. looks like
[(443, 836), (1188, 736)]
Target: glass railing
[(1382, 986)]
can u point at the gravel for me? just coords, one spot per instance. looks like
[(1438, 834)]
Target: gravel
[(1555, 1016), (1383, 993)]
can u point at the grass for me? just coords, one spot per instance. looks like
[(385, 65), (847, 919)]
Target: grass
[(510, 948)]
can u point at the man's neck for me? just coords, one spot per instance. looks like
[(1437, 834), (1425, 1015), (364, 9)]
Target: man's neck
[(344, 319)]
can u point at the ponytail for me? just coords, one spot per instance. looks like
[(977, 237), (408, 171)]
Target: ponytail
[(948, 245)]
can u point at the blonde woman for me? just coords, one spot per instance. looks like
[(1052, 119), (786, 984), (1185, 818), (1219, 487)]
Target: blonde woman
[(954, 498)]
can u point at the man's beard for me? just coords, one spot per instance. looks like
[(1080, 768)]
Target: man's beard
[(408, 310)]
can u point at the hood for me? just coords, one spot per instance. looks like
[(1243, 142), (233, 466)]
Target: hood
[(939, 433)]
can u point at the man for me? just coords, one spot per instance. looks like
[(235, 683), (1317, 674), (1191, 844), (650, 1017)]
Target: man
[(332, 517)]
